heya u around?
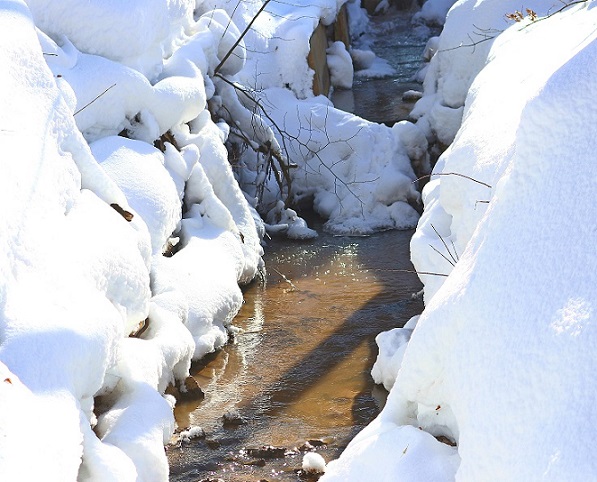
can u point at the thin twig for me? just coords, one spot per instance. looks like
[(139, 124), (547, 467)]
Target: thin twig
[(89, 103), (444, 243), (551, 14), (441, 254), (453, 174), (455, 252), (412, 271), (240, 37), (285, 278)]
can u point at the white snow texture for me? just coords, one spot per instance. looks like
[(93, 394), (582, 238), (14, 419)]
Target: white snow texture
[(501, 362), (125, 232)]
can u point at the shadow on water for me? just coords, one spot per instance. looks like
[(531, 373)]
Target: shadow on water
[(301, 369)]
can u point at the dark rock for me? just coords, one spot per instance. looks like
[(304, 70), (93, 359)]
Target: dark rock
[(123, 212), (445, 440), (267, 452), (317, 442), (306, 447), (190, 389), (233, 418), (256, 463), (187, 391), (213, 444)]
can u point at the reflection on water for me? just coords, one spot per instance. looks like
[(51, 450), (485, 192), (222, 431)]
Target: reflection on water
[(299, 370)]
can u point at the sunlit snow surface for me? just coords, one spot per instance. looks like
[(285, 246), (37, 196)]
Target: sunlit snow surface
[(105, 235), (501, 361)]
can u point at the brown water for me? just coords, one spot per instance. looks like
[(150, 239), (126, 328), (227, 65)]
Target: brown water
[(300, 370)]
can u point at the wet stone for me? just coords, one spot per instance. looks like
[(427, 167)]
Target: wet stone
[(267, 452), (233, 418), (188, 390), (445, 440), (319, 442), (256, 463), (306, 447), (213, 444)]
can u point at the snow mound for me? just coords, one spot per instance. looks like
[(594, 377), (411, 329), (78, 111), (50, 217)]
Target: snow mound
[(104, 283), (499, 360), (313, 463), (460, 54), (357, 188)]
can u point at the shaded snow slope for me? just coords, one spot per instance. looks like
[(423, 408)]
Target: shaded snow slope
[(502, 359)]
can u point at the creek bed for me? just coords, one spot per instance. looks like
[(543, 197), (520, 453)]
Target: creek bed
[(300, 370)]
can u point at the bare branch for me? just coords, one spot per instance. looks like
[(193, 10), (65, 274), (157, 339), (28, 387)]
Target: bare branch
[(89, 103), (445, 245), (240, 37), (453, 174), (441, 254), (412, 271)]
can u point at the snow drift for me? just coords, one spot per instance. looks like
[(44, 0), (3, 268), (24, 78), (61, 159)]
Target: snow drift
[(95, 240), (124, 229), (501, 361)]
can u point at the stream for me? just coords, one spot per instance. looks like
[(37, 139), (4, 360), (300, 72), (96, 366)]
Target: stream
[(300, 369), (296, 377)]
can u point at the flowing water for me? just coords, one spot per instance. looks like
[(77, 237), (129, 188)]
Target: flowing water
[(402, 45), (300, 369), (297, 377)]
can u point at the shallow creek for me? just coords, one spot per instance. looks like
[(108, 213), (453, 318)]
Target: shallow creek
[(380, 100), (300, 369)]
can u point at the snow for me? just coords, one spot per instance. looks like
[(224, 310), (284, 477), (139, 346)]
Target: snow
[(313, 463), (461, 53), (392, 345), (127, 232), (358, 189), (433, 12), (340, 65), (138, 170), (501, 360)]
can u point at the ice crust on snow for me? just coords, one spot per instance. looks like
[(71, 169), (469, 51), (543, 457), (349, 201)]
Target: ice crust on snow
[(501, 360)]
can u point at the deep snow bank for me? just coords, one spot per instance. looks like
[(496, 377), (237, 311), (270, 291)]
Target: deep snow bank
[(126, 233), (78, 275), (501, 361)]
